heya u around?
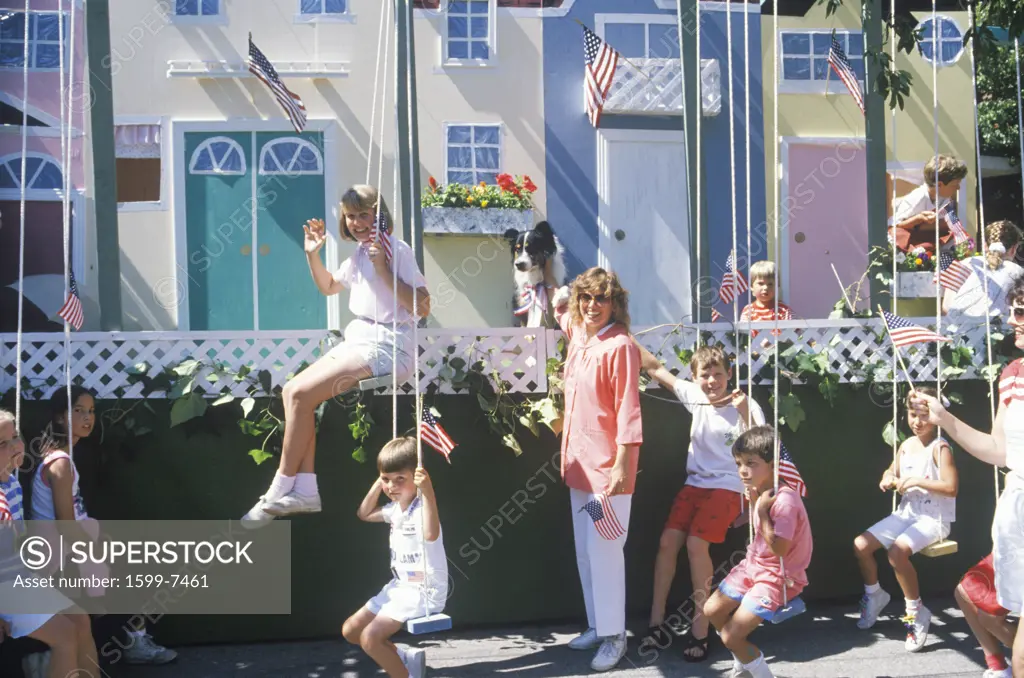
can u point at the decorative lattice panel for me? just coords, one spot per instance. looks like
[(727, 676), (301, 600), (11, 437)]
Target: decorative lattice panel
[(518, 356), (657, 87)]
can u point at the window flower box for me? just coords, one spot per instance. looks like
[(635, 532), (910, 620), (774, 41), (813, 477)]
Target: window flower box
[(916, 284), (474, 220), (483, 209)]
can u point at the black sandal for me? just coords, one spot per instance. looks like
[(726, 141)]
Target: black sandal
[(700, 644)]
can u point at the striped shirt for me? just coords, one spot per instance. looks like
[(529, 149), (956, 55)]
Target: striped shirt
[(1011, 394), (12, 515), (755, 314)]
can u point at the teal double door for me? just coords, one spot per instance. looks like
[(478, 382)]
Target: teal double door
[(247, 196)]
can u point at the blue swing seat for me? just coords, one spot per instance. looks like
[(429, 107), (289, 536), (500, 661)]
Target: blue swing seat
[(429, 624), (795, 607)]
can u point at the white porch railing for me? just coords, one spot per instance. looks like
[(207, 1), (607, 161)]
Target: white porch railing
[(519, 355), (655, 86)]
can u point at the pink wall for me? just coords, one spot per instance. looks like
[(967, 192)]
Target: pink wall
[(826, 205), (44, 90)]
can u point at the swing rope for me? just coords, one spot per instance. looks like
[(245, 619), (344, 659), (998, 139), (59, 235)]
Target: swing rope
[(21, 248), (895, 274), (66, 127), (699, 173), (732, 174), (746, 90), (1020, 110)]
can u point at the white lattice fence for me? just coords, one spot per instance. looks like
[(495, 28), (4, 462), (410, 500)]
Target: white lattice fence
[(519, 355), (655, 88)]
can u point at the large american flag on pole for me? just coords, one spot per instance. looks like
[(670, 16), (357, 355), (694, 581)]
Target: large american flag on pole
[(955, 227), (904, 333), (71, 311), (788, 471), (733, 283), (434, 435), (841, 65), (602, 513), (601, 61), (952, 273), (261, 67)]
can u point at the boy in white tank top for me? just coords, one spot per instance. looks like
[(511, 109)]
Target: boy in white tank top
[(925, 474)]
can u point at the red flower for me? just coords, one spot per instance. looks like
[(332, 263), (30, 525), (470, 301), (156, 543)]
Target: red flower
[(505, 181), (528, 184), (433, 183)]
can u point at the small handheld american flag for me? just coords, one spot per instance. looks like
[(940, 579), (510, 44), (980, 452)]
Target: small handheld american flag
[(71, 311), (601, 61), (788, 471), (955, 226), (261, 67), (602, 513), (904, 333), (434, 435), (382, 235), (952, 273), (733, 283), (841, 65)]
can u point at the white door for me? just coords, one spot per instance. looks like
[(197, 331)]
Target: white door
[(643, 228)]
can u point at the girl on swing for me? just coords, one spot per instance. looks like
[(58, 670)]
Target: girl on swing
[(366, 351)]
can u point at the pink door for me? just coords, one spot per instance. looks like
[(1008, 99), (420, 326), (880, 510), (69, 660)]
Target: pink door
[(825, 204)]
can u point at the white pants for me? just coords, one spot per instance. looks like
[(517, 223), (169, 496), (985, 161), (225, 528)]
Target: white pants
[(918, 532), (1008, 546), (377, 344), (601, 563)]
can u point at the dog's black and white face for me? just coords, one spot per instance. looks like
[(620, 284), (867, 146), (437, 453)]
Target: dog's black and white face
[(531, 250)]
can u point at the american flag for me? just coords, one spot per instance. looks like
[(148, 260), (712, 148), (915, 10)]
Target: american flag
[(955, 227), (71, 311), (788, 472), (383, 237), (841, 65), (434, 435), (602, 513), (952, 273), (904, 333), (5, 509), (733, 284), (261, 67), (600, 69), (715, 315)]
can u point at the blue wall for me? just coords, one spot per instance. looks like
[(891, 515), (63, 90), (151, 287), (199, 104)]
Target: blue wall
[(572, 143)]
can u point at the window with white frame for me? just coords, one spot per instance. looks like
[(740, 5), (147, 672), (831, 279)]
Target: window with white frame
[(804, 64), (291, 156), (137, 150), (469, 31), (197, 7), (472, 154), (642, 37), (218, 155), (43, 40), (42, 172), (948, 40), (315, 8)]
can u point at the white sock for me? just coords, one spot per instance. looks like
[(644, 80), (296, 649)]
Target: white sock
[(305, 484), (758, 668), (280, 486), (913, 605), (872, 588)]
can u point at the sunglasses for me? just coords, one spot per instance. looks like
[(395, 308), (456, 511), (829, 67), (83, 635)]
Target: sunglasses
[(1016, 312), (598, 299)]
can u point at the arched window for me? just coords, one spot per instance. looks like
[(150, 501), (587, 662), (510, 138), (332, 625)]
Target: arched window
[(219, 155), (42, 172), (949, 41), (291, 156)]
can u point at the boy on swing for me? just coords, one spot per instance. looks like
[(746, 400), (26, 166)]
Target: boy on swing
[(419, 567), (774, 570)]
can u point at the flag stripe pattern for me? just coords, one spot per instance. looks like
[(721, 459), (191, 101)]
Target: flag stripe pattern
[(383, 237), (955, 226), (1011, 383), (715, 315), (434, 435), (602, 513), (733, 284), (904, 333), (841, 65), (788, 471), (601, 62), (71, 312), (952, 273), (292, 104)]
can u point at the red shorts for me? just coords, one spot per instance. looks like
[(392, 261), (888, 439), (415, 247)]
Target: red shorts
[(704, 513), (980, 586)]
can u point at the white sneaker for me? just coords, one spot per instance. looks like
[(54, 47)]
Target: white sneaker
[(587, 640), (415, 661), (293, 502), (871, 605), (1005, 673), (257, 517), (917, 628), (613, 649), (143, 650)]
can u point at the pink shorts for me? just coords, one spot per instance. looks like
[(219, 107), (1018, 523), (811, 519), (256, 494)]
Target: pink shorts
[(760, 593)]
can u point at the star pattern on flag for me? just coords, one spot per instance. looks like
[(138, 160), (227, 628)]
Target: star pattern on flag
[(733, 283), (601, 62), (903, 332), (434, 435), (602, 512), (841, 66), (952, 273), (789, 472)]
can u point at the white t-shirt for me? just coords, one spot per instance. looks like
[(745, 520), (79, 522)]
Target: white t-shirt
[(407, 547), (709, 462), (1011, 392), (915, 202), (369, 295), (984, 290)]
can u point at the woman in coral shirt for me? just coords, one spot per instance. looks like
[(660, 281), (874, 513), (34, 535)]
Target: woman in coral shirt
[(600, 447)]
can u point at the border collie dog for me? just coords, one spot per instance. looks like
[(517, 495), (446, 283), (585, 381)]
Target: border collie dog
[(538, 260)]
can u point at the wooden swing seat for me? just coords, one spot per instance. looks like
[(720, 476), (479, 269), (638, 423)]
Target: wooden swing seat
[(940, 548), (373, 383), (429, 624), (795, 607)]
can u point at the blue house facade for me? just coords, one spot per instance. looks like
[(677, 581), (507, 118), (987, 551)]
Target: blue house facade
[(624, 195)]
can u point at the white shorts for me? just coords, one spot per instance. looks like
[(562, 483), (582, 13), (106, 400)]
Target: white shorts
[(376, 343), (403, 601), (1008, 547), (22, 624), (917, 533)]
